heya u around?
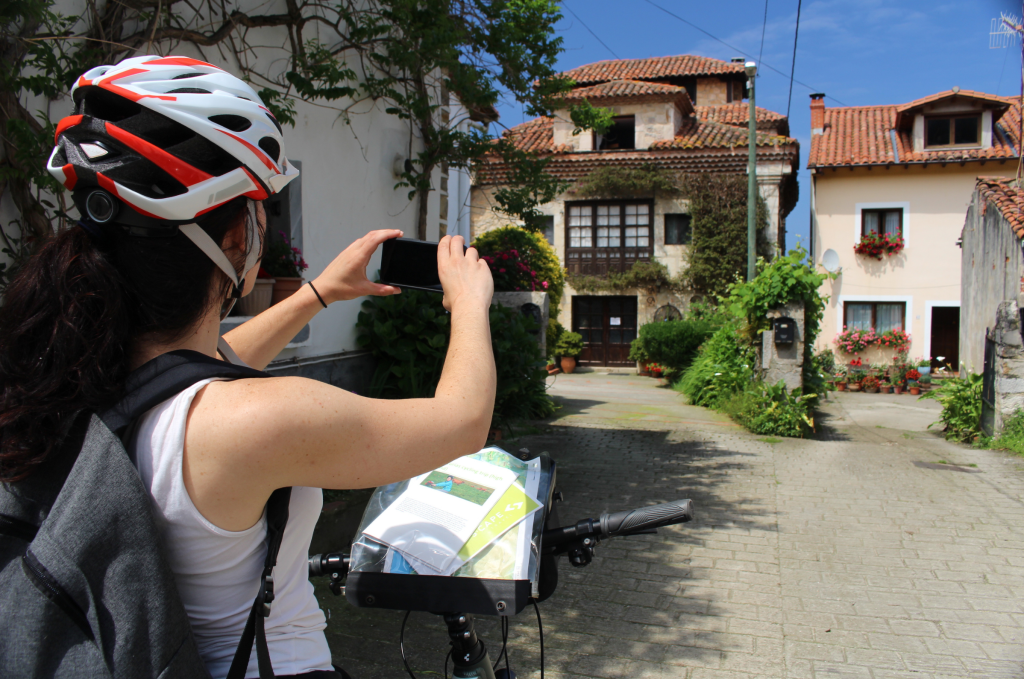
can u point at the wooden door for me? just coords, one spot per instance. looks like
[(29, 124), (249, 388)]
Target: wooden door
[(608, 325), (946, 336)]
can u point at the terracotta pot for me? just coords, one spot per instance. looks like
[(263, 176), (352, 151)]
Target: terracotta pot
[(257, 301), (494, 435), (914, 391), (285, 288), (854, 386), (656, 373), (871, 390), (840, 386), (897, 390), (886, 390), (568, 364)]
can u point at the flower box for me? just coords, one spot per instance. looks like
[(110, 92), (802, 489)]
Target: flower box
[(879, 246)]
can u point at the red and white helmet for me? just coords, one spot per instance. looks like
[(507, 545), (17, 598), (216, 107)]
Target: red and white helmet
[(172, 137)]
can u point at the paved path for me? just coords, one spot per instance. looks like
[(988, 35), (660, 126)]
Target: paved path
[(860, 555)]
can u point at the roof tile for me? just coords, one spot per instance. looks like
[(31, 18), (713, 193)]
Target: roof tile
[(1008, 198), (653, 68)]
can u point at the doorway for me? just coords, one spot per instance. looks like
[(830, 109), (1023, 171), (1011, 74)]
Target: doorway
[(945, 336), (607, 325)]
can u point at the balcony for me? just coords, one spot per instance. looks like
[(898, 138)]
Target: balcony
[(608, 237), (603, 261)]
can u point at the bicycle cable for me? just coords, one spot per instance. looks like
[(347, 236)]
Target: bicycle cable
[(401, 645), (504, 644), (446, 658), (540, 632)]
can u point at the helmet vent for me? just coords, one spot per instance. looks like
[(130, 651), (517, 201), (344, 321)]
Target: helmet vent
[(232, 122), (276, 124), (271, 146), (189, 90), (99, 103), (186, 75)]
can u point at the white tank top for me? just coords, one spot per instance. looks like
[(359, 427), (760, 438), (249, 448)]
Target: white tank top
[(218, 571)]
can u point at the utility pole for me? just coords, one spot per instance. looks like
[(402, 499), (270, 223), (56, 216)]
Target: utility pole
[(751, 68)]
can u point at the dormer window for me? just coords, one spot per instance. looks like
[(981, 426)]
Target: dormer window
[(950, 131), (621, 135)]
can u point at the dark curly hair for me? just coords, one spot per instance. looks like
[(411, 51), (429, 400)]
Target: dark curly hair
[(73, 313)]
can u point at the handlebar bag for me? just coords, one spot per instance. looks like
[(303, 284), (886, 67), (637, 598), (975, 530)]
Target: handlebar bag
[(84, 581)]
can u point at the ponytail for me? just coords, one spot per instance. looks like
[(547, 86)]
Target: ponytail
[(71, 319)]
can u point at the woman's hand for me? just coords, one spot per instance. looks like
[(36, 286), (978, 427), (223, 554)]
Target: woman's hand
[(345, 277), (465, 278)]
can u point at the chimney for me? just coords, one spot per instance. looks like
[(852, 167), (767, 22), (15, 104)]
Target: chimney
[(817, 113)]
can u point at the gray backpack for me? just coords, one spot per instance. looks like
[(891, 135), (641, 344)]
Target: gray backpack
[(85, 585)]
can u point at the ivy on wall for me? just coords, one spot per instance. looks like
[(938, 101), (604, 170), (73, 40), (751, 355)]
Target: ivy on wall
[(618, 181)]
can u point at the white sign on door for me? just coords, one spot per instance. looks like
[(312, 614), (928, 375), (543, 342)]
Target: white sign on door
[(615, 320)]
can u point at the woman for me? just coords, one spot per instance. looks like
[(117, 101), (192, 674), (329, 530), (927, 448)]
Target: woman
[(167, 159)]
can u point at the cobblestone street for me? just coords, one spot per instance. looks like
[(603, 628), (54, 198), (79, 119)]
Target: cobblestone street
[(878, 551)]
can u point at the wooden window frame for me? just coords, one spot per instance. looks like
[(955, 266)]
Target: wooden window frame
[(874, 313), (625, 255), (952, 132), (617, 120), (880, 211)]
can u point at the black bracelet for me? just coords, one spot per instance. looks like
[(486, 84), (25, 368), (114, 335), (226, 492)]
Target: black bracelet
[(310, 284)]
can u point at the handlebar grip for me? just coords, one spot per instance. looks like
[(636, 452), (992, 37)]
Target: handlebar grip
[(645, 518)]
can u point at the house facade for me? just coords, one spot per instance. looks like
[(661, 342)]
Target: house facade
[(906, 172), (683, 114)]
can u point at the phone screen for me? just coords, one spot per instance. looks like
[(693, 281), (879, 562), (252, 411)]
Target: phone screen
[(410, 263)]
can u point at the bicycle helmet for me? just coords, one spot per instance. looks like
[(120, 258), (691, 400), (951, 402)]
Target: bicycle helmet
[(171, 138)]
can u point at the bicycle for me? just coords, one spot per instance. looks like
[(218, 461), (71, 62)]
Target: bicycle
[(468, 654)]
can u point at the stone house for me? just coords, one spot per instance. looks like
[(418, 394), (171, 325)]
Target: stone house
[(684, 114), (907, 171)]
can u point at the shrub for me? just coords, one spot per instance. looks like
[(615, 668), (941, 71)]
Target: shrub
[(637, 352), (772, 410), (522, 260), (555, 332), (723, 367), (569, 344), (674, 344), (408, 335), (961, 407)]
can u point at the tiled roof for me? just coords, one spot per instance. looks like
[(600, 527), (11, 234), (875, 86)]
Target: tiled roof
[(1008, 199), (535, 135), (971, 94), (654, 68), (632, 90), (867, 135), (738, 113), (698, 134)]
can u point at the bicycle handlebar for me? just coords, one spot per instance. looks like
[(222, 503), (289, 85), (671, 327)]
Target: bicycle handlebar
[(628, 522)]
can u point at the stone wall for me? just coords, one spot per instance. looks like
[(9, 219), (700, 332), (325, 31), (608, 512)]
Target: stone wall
[(1009, 363), (992, 273), (516, 300), (784, 361)]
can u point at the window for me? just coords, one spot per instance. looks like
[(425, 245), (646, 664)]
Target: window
[(882, 316), (677, 229), (603, 237), (953, 131), (887, 222), (548, 228), (621, 135)]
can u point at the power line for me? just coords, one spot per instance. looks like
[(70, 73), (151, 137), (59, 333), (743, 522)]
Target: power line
[(792, 69), (590, 31), (763, 27), (717, 39)]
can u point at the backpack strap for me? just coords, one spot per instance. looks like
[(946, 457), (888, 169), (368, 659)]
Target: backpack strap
[(152, 384), (255, 626)]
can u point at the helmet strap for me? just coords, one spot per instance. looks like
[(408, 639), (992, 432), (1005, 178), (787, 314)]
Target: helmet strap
[(195, 233)]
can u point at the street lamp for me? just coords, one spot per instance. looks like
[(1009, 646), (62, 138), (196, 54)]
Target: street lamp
[(751, 69)]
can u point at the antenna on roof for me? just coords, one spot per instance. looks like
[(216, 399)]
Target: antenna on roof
[(1006, 31)]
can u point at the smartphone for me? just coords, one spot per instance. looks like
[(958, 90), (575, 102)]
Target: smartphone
[(410, 263)]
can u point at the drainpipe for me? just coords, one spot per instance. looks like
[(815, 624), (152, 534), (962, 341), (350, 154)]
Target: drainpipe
[(751, 68)]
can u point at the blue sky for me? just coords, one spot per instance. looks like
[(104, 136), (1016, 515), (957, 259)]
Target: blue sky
[(857, 53)]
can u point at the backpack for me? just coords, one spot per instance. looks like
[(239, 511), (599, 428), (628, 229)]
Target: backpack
[(82, 572)]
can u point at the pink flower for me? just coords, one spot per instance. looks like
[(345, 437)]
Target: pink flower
[(501, 271), (545, 284)]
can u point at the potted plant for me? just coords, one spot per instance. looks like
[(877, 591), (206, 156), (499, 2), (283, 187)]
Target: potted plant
[(656, 370), (912, 375), (925, 381), (885, 387), (870, 384), (924, 366), (570, 345), (638, 353), (914, 387), (258, 299), (855, 382), (285, 264), (840, 379)]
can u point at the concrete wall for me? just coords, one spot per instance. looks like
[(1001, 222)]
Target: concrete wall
[(926, 273), (1008, 365), (654, 122), (784, 362), (993, 273)]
